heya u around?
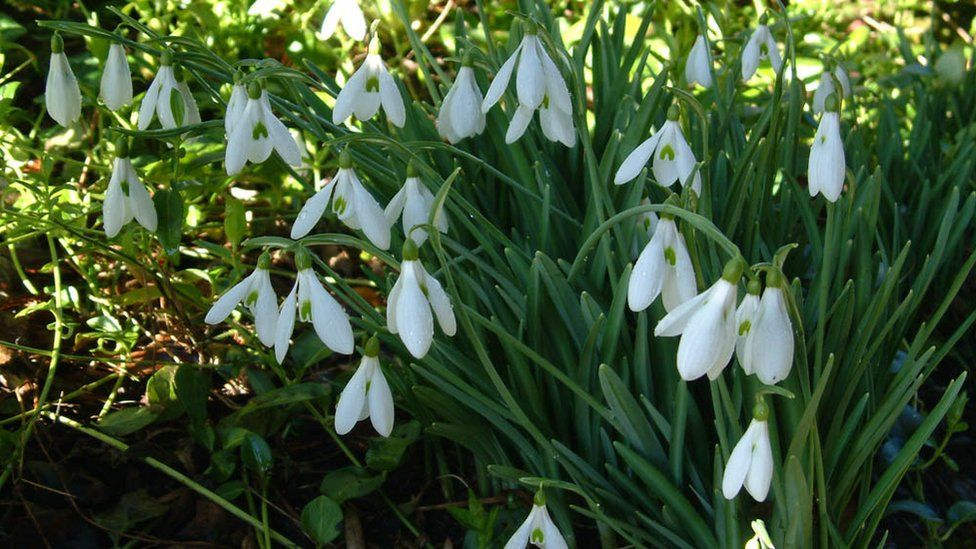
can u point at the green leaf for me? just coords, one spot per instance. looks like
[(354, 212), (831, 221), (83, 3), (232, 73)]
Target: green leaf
[(299, 392), (235, 223), (349, 483), (170, 213), (193, 389), (128, 420), (177, 105), (321, 518), (384, 454), (256, 454)]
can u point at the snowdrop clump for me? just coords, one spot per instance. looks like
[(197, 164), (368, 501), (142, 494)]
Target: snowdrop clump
[(408, 307), (351, 202), (673, 157), (61, 93), (367, 395), (539, 86), (126, 197)]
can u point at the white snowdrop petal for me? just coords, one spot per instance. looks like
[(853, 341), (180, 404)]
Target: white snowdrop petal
[(391, 305), (331, 21), (520, 539), (282, 140), (751, 55), (680, 285), (328, 318), (500, 83), (676, 321), (395, 207), (530, 83), (116, 84), (665, 165), (637, 159), (697, 352), (391, 100), (141, 203), (371, 218), (441, 304), (647, 278), (147, 109), (227, 302), (415, 213), (760, 473), (553, 538), (312, 211), (413, 316), (349, 95), (353, 20), (746, 313), (739, 463), (380, 401), (113, 208), (523, 115), (352, 400), (62, 97), (266, 308), (285, 324), (771, 342)]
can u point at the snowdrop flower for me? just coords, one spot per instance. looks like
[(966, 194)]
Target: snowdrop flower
[(538, 528), (265, 8), (116, 84), (415, 202), (367, 395), (828, 85), (761, 45), (258, 296), (745, 317), (706, 324), (769, 345), (698, 67), (256, 133), (350, 201), (751, 461), (313, 304), (61, 94), (460, 115), (664, 267), (158, 101), (235, 105), (646, 225), (370, 87), (126, 197), (349, 14), (191, 111), (673, 158), (408, 307), (827, 165), (539, 85)]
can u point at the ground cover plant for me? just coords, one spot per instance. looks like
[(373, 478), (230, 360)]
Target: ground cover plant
[(299, 273)]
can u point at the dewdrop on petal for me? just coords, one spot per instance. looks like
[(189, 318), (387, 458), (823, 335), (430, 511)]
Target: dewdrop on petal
[(369, 88), (349, 14), (761, 45), (116, 84), (415, 202), (366, 395), (62, 97), (673, 162), (751, 462), (663, 268), (460, 115), (414, 301), (258, 295), (256, 133), (827, 165), (698, 67), (769, 345), (351, 202), (538, 529), (706, 324), (312, 303), (126, 197), (539, 86)]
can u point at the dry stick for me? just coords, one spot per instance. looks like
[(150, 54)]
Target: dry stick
[(172, 473)]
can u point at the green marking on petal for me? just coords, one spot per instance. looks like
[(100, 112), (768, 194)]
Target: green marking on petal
[(667, 152), (339, 205), (745, 327), (538, 536), (259, 131), (373, 84), (670, 256), (251, 299), (305, 311), (125, 187)]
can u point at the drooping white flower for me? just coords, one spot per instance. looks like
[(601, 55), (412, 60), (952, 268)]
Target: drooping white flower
[(256, 133), (827, 165), (751, 462), (460, 115), (828, 85), (761, 45), (415, 202), (646, 224), (116, 84), (126, 197), (367, 395), (370, 87), (235, 105), (62, 97), (698, 67), (349, 14), (351, 202), (191, 111), (745, 317), (258, 296), (163, 93), (539, 85), (409, 305), (265, 8), (706, 324), (313, 304), (769, 345), (538, 529), (664, 267), (673, 158)]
